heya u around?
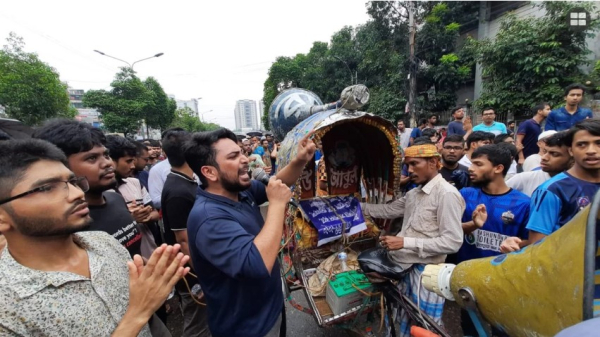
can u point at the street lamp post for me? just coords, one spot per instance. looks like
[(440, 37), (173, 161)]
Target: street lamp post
[(349, 70), (129, 64), (202, 113)]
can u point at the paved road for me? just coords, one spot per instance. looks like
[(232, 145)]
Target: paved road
[(300, 324)]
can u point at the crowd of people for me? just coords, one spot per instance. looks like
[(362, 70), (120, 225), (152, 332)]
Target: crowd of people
[(83, 252), (492, 209), (99, 229)]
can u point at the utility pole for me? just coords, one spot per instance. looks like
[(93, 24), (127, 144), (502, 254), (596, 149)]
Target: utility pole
[(412, 73)]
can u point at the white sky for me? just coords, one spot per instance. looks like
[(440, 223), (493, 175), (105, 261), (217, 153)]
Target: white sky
[(218, 50)]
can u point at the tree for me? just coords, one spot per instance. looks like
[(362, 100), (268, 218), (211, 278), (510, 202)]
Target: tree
[(376, 54), (125, 105), (532, 60), (160, 110), (185, 119), (30, 90)]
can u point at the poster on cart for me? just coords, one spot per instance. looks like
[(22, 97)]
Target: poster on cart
[(326, 216)]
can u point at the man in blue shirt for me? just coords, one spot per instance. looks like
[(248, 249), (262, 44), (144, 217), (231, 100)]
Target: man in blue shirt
[(493, 212), (418, 131), (565, 117), (456, 126), (559, 199), (489, 125), (233, 248), (530, 130)]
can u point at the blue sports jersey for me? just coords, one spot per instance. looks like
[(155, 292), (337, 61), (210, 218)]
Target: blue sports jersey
[(557, 201), (507, 216)]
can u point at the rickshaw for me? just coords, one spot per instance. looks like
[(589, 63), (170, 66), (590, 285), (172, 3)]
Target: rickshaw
[(324, 227)]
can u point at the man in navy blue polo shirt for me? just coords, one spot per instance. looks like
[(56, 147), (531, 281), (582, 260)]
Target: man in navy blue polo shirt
[(563, 118), (529, 131), (233, 249)]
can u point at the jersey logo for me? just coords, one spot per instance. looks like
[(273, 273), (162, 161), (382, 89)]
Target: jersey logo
[(582, 202), (508, 217)]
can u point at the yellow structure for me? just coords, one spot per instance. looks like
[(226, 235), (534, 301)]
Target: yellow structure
[(537, 291)]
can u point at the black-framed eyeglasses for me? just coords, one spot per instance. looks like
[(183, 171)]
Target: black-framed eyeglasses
[(53, 187)]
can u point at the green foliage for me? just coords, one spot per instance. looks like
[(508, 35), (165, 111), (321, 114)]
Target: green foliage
[(184, 118), (532, 60), (376, 54), (30, 90), (130, 101), (160, 110), (125, 105)]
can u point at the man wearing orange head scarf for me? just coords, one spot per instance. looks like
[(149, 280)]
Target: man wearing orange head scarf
[(431, 229)]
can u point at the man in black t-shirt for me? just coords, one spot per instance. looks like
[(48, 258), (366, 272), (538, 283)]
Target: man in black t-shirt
[(88, 157), (177, 199), (453, 172)]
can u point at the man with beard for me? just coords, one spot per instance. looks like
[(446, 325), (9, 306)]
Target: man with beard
[(57, 279), (88, 157), (555, 159), (431, 228), (563, 118), (456, 126), (493, 211), (559, 199), (233, 248), (508, 209), (454, 173), (403, 136)]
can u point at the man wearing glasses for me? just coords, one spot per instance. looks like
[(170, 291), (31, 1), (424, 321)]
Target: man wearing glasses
[(452, 171), (88, 157), (489, 124), (56, 279)]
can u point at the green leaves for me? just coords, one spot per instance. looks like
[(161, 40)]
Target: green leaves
[(30, 90), (185, 119), (531, 59), (130, 101)]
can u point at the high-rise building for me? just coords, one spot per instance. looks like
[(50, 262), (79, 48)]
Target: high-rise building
[(191, 104), (245, 115)]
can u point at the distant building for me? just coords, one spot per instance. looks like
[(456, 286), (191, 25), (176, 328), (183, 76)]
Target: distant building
[(261, 111), (245, 115), (76, 96), (191, 104), (86, 115)]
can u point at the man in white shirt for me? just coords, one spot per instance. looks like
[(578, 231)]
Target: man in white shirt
[(475, 140), (432, 226), (403, 134), (556, 159)]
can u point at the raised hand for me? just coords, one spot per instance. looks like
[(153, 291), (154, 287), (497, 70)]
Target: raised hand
[(277, 191), (306, 148), (480, 215), (150, 284)]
